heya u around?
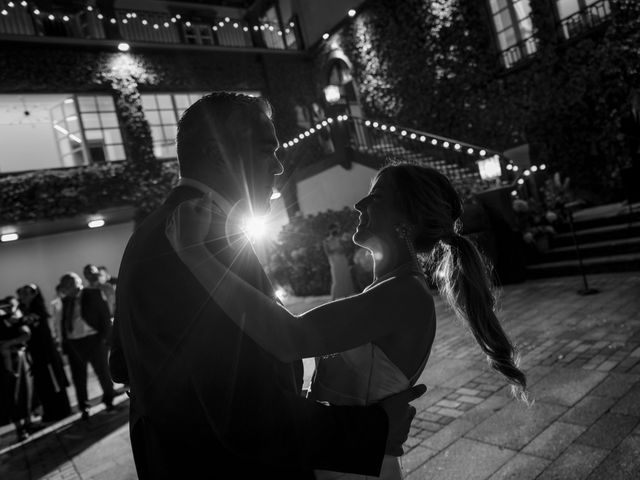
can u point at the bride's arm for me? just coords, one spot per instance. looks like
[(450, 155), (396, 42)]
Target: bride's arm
[(330, 328)]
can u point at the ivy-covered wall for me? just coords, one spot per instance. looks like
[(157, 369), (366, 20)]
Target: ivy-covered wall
[(142, 180), (434, 66)]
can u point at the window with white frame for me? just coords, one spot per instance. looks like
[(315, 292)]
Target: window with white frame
[(99, 123), (58, 130), (578, 15), (162, 111), (514, 29)]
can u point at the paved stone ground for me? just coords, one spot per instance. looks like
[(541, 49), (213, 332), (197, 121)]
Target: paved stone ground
[(582, 356)]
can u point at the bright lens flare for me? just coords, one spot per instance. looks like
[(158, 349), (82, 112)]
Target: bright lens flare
[(281, 293), (255, 227)]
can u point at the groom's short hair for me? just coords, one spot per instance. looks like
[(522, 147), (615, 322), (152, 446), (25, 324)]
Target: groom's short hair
[(210, 118)]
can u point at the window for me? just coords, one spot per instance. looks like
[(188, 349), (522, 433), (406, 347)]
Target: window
[(514, 29), (271, 29), (68, 137), (576, 16), (199, 34), (101, 128), (162, 111)]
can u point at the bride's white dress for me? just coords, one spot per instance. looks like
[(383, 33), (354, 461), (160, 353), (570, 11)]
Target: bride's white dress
[(360, 376)]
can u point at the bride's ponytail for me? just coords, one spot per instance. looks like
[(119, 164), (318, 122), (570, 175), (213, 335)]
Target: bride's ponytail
[(463, 278)]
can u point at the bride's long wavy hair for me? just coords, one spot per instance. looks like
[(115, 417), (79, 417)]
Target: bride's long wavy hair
[(460, 271)]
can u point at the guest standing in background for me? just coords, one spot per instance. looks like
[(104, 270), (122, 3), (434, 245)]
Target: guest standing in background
[(94, 279), (49, 379), (335, 250), (86, 326), (15, 382)]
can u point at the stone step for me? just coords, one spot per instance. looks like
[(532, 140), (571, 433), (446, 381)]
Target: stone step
[(622, 217), (593, 249), (612, 263), (589, 235)]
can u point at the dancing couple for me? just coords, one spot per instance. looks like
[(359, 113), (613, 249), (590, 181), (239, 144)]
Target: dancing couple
[(212, 358)]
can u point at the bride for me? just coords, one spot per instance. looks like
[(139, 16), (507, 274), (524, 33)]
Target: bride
[(376, 343)]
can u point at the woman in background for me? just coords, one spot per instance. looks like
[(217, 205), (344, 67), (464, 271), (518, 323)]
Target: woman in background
[(15, 382), (334, 249), (49, 379)]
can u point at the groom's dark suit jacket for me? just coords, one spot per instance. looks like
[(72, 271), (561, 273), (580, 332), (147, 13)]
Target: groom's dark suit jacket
[(206, 401)]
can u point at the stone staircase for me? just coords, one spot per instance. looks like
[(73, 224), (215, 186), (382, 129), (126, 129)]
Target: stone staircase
[(609, 241), (452, 170)]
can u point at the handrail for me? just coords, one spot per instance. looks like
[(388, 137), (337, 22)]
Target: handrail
[(590, 16), (393, 131)]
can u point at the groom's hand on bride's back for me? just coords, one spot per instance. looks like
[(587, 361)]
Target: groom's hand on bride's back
[(400, 415)]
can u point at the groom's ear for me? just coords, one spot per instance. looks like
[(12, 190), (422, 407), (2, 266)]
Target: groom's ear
[(216, 154)]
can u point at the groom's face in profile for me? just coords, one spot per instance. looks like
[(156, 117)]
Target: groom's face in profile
[(257, 146)]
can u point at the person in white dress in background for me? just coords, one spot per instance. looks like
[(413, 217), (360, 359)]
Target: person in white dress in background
[(334, 249), (376, 343)]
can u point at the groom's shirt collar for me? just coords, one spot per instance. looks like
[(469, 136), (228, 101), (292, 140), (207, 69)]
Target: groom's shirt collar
[(219, 200)]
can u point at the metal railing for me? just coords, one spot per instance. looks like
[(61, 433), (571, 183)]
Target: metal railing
[(143, 26), (519, 51), (385, 141), (585, 19)]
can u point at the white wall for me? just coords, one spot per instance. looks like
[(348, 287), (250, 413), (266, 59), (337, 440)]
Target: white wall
[(28, 141), (43, 260), (334, 188)]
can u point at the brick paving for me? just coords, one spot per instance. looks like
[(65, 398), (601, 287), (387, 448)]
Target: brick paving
[(582, 357)]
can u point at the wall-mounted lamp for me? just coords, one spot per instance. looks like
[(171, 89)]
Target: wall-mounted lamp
[(332, 93), (490, 168)]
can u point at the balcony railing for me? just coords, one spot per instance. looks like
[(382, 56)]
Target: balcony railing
[(24, 19), (519, 51), (585, 19)]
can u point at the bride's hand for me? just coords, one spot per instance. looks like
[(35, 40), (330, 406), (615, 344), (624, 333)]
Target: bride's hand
[(189, 224)]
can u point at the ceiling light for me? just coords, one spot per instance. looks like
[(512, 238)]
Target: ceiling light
[(97, 223)]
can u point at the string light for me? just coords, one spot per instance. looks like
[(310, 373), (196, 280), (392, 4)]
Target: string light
[(128, 16), (384, 127)]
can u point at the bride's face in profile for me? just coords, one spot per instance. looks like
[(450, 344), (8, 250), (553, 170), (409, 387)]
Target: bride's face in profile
[(378, 218)]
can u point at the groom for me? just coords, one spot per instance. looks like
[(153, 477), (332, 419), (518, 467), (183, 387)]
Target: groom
[(206, 401)]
